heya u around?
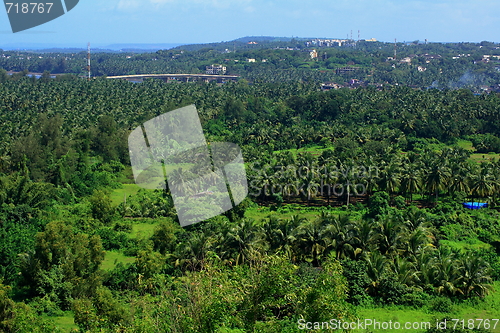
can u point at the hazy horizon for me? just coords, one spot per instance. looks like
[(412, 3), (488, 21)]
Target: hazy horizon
[(151, 46), (208, 21)]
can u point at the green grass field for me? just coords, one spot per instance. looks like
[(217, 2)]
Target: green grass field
[(118, 195), (465, 144), (461, 245), (484, 157), (477, 157), (488, 308), (66, 323), (394, 314), (144, 229), (114, 257)]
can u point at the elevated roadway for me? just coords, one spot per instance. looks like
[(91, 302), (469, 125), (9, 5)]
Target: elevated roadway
[(178, 77)]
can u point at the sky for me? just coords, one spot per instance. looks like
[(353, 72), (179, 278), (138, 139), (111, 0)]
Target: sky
[(104, 22)]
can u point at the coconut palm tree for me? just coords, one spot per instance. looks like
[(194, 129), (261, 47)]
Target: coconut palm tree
[(328, 179), (347, 179), (417, 241), (289, 182), (389, 178), (482, 183), (289, 233), (272, 235), (392, 232), (310, 183), (338, 234), (460, 178), (179, 179), (192, 253), (437, 177), (376, 264), (309, 240), (243, 238), (425, 266), (365, 236), (476, 279), (404, 270), (410, 180), (448, 279)]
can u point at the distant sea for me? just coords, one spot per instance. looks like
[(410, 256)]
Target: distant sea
[(48, 47)]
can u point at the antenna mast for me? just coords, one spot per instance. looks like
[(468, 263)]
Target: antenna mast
[(88, 61), (395, 51)]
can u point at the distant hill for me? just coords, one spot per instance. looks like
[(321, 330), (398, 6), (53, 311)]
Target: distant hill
[(142, 47), (244, 43)]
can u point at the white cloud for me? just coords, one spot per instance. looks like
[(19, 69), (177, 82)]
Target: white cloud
[(128, 5)]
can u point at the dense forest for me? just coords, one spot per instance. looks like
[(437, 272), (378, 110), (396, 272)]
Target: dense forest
[(354, 207)]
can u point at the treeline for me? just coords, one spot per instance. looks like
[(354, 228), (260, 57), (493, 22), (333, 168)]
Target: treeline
[(443, 66), (216, 276), (48, 123), (295, 109), (342, 173)]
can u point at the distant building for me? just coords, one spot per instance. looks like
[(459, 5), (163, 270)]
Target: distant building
[(346, 69), (326, 42), (355, 83), (330, 86), (431, 56), (487, 58), (216, 70), (313, 54), (251, 60)]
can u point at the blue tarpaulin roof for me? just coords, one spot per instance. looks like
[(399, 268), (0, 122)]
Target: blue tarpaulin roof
[(475, 205)]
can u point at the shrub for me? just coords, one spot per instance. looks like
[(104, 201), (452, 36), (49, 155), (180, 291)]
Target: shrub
[(416, 298), (441, 304), (123, 226), (113, 240), (400, 202), (379, 204), (101, 207), (357, 280), (390, 290)]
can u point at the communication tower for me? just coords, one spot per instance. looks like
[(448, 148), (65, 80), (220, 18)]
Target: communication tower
[(88, 61), (395, 50)]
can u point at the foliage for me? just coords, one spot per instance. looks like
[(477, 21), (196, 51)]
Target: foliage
[(64, 264), (365, 187)]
